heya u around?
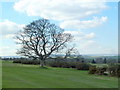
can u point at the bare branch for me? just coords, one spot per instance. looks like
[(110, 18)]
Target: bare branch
[(40, 39)]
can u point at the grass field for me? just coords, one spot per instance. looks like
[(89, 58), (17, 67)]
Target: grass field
[(31, 76)]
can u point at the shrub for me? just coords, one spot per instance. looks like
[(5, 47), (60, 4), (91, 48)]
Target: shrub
[(69, 65), (17, 61), (100, 70), (118, 71), (27, 62), (92, 70), (73, 64), (35, 62), (82, 66), (55, 64), (65, 65), (114, 70)]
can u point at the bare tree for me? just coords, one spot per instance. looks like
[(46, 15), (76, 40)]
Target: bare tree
[(40, 39), (71, 51)]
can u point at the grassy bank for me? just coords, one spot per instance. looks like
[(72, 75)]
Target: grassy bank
[(31, 76)]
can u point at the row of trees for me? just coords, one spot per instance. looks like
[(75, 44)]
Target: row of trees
[(69, 58), (102, 61)]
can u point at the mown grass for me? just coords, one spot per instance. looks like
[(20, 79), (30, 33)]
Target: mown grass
[(31, 76)]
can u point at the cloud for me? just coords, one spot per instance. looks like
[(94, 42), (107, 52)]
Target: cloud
[(9, 28), (80, 36), (90, 35), (92, 47), (60, 9), (7, 51), (77, 24), (71, 13), (86, 44)]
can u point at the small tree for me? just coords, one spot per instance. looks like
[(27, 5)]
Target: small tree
[(40, 39), (70, 52), (105, 60), (93, 61), (80, 58)]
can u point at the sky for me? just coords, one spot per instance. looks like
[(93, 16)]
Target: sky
[(94, 25)]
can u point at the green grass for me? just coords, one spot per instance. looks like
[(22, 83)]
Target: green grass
[(31, 76)]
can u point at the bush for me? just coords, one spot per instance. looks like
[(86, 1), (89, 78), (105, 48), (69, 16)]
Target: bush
[(34, 62), (55, 64), (82, 66), (69, 65), (17, 61), (114, 70), (64, 64), (73, 64), (92, 70), (100, 70)]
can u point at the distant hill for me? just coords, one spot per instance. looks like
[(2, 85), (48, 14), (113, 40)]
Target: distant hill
[(10, 56), (87, 56)]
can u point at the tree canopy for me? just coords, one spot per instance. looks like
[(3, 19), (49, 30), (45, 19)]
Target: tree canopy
[(41, 38)]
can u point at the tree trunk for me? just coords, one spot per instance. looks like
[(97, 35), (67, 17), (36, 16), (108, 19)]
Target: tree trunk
[(42, 63)]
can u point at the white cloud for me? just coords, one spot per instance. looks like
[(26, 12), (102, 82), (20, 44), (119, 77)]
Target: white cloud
[(86, 44), (92, 47), (7, 51), (90, 35), (77, 24), (79, 36), (9, 28), (70, 13), (60, 9), (74, 33)]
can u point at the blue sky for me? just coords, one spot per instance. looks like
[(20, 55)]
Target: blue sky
[(95, 29)]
